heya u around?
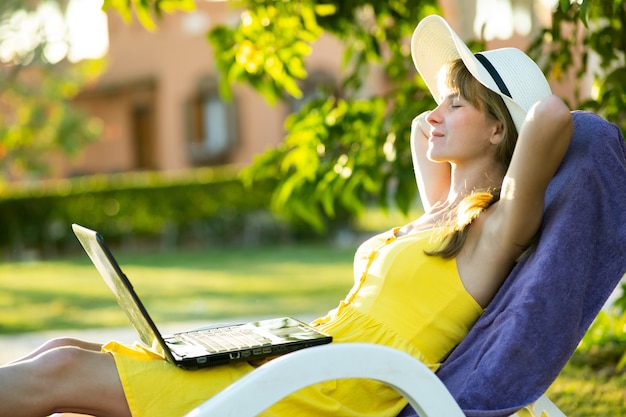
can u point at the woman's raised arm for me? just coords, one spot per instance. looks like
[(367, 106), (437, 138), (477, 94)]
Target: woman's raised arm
[(541, 146), (433, 179)]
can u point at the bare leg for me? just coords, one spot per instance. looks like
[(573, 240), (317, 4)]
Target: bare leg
[(56, 343), (62, 376)]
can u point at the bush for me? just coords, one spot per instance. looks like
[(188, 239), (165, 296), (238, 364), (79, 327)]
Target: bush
[(206, 204)]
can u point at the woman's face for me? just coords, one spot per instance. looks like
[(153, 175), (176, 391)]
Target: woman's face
[(460, 132)]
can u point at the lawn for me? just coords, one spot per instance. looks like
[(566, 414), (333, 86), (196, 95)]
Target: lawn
[(215, 284), (194, 285), (583, 391)]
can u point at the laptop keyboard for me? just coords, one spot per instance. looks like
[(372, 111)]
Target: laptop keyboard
[(224, 339)]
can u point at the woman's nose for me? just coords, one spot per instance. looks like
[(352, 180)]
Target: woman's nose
[(434, 116)]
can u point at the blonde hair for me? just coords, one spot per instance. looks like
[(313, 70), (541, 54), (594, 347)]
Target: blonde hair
[(455, 228)]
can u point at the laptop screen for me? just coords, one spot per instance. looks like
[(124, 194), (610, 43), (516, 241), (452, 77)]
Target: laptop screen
[(115, 279)]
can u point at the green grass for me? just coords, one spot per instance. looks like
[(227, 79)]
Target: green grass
[(216, 284), (211, 284), (583, 391), (192, 285)]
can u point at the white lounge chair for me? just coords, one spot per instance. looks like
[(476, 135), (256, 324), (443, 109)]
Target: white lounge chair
[(282, 376)]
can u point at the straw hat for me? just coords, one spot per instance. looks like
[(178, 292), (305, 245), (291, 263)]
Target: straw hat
[(507, 71)]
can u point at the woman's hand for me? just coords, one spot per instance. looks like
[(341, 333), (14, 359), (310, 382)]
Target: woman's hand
[(420, 123)]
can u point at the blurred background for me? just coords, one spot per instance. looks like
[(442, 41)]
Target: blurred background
[(211, 121), (237, 147)]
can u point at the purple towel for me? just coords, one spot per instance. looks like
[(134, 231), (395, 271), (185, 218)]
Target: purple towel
[(533, 325)]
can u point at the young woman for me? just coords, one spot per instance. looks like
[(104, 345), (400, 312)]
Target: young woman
[(418, 288)]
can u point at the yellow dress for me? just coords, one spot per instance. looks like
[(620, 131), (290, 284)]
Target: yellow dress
[(400, 298)]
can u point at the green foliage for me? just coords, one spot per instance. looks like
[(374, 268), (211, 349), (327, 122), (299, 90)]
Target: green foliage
[(322, 163), (147, 11), (37, 116), (604, 344), (208, 204), (579, 31), (269, 48), (583, 391), (350, 146), (620, 303)]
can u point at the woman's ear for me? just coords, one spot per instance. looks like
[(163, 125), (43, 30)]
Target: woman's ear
[(497, 134)]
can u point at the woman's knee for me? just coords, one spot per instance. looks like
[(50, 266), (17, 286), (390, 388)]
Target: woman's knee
[(47, 373), (58, 343), (68, 342), (74, 378), (59, 359)]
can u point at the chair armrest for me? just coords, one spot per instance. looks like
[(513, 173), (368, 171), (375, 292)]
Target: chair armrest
[(282, 376), (541, 406)]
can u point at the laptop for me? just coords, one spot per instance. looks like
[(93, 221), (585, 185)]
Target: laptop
[(203, 347)]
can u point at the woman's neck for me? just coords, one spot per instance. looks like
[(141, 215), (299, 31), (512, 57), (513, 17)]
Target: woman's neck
[(465, 180)]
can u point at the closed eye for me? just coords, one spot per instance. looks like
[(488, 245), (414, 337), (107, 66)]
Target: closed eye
[(454, 100)]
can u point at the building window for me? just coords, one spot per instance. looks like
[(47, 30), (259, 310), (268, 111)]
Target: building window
[(143, 137), (212, 136)]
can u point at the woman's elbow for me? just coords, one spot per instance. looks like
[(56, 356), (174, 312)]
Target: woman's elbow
[(551, 118), (551, 112)]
